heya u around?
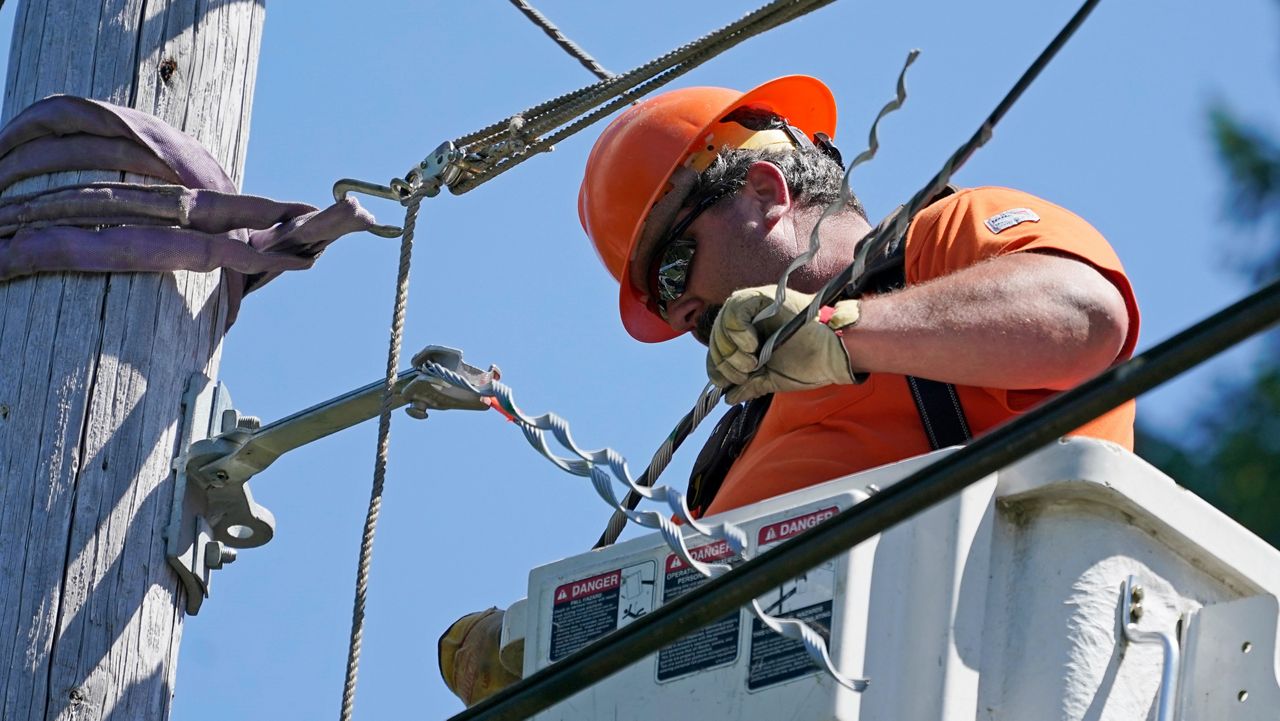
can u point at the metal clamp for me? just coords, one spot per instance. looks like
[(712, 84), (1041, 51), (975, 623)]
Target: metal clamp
[(441, 168), (214, 512), (209, 519), (1130, 614)]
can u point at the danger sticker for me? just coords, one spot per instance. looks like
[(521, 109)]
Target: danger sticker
[(782, 530), (588, 587), (586, 609), (709, 553), (809, 597), (713, 645)]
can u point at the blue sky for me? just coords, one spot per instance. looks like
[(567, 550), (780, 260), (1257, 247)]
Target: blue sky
[(1115, 130)]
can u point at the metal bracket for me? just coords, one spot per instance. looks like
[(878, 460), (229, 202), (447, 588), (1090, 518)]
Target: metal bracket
[(441, 168), (192, 545), (1232, 666), (213, 510), (1130, 614)]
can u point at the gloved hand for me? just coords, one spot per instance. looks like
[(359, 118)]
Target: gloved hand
[(813, 357), (469, 660)]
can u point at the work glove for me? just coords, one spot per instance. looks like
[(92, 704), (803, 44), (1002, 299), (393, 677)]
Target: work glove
[(469, 658), (814, 357)]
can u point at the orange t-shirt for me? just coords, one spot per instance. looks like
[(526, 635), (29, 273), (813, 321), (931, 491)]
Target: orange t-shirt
[(813, 436)]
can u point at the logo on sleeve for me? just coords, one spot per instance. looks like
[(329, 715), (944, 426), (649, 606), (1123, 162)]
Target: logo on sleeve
[(1010, 218)]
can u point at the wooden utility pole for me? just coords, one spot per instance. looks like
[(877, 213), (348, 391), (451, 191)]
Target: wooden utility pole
[(92, 371)]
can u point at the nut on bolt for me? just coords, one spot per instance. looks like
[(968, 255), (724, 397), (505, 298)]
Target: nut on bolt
[(217, 554), (417, 410)]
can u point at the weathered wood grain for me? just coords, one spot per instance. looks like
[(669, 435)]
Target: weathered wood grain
[(92, 370)]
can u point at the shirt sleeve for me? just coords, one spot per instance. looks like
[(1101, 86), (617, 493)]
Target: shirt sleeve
[(980, 223)]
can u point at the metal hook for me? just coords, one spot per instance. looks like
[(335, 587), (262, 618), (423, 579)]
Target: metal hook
[(349, 185)]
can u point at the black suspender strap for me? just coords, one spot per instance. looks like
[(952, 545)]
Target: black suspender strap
[(940, 412)]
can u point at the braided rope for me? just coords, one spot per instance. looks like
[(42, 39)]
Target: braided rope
[(380, 461), (569, 46)]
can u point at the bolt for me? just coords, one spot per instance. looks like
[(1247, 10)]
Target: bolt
[(1137, 594), (221, 475), (417, 410), (217, 554), (1135, 612)]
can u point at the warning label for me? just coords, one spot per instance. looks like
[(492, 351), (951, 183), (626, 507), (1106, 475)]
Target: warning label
[(584, 610), (775, 533), (712, 645), (808, 597), (776, 658)]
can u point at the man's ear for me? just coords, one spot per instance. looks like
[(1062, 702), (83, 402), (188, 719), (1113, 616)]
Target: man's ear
[(767, 187)]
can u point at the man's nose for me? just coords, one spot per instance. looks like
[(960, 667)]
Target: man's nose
[(682, 315)]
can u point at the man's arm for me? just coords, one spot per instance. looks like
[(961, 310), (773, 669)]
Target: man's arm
[(1023, 320)]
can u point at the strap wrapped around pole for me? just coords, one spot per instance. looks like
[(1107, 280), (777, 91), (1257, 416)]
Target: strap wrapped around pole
[(197, 222)]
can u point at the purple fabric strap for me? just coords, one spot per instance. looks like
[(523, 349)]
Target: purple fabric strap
[(199, 223)]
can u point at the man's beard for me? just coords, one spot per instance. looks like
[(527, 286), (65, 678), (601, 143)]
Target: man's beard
[(702, 331)]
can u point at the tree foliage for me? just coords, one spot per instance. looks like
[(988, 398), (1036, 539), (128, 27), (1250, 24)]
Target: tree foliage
[(1232, 459)]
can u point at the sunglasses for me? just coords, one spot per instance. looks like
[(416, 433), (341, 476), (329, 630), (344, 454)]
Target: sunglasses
[(673, 260)]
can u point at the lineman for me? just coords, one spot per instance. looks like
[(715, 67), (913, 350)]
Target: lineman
[(698, 199)]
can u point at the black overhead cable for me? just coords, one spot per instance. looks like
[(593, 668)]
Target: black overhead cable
[(913, 494)]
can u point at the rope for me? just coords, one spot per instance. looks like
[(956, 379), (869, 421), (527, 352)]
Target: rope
[(380, 462), (569, 46)]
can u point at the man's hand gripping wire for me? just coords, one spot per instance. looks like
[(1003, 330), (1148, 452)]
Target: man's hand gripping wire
[(814, 357)]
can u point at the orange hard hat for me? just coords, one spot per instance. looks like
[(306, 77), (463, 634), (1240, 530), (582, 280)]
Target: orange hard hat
[(632, 163)]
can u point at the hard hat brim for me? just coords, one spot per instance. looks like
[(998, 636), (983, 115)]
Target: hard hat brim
[(805, 102)]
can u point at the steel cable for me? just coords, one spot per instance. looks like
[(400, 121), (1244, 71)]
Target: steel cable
[(569, 46), (557, 110), (485, 163)]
